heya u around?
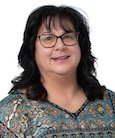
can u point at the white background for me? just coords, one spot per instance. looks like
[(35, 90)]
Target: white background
[(13, 16)]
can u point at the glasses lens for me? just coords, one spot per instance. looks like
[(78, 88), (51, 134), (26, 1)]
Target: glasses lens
[(70, 39), (48, 40)]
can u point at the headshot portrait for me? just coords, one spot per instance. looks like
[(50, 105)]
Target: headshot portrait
[(58, 90)]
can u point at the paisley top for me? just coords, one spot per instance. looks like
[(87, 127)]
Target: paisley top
[(24, 118)]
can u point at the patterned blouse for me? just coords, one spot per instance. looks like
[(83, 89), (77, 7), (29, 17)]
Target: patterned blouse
[(24, 118)]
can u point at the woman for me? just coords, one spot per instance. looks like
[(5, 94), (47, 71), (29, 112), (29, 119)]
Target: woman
[(57, 94)]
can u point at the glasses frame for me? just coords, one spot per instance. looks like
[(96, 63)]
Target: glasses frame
[(76, 33)]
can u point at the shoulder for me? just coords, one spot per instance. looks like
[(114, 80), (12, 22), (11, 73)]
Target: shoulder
[(11, 104), (14, 114), (109, 95), (107, 104)]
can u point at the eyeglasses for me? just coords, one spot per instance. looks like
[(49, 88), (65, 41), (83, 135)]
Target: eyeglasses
[(50, 40)]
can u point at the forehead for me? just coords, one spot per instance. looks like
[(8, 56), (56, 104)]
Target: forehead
[(56, 23)]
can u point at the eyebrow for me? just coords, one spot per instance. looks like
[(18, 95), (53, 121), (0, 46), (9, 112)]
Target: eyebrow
[(50, 32)]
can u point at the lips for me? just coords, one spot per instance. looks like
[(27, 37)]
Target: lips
[(59, 58)]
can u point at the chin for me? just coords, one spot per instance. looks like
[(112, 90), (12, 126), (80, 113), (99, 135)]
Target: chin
[(65, 72)]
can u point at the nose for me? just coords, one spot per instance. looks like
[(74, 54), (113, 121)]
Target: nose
[(59, 44)]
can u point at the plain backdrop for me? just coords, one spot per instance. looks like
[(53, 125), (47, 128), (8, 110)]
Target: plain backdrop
[(100, 15)]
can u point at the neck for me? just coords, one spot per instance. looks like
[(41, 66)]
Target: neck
[(64, 87), (65, 92)]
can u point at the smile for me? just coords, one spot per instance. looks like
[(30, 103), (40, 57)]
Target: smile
[(60, 58)]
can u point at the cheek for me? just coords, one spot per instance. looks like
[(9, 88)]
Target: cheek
[(77, 52), (38, 53), (41, 54)]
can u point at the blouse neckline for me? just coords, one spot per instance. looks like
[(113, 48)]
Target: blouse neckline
[(74, 114)]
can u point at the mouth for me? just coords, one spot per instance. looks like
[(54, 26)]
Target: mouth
[(60, 58)]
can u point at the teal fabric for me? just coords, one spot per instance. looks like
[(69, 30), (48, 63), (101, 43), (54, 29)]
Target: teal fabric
[(24, 118)]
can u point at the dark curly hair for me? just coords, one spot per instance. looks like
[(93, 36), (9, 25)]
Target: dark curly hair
[(30, 79)]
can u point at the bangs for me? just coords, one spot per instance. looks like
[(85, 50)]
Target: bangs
[(63, 22)]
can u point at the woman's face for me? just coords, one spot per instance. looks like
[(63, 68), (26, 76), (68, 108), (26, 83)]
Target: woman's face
[(57, 60)]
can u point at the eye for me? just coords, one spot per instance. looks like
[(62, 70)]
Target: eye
[(69, 36), (47, 38)]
